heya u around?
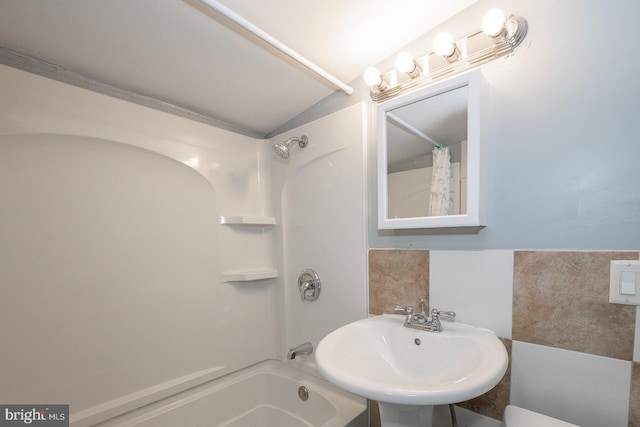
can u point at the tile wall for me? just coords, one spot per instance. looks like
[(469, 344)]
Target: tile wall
[(572, 352)]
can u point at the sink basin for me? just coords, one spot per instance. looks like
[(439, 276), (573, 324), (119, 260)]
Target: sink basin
[(378, 358)]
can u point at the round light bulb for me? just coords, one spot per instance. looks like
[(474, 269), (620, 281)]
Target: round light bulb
[(493, 22), (404, 62), (372, 77), (443, 44)]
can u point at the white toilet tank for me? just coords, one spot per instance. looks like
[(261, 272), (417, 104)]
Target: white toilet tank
[(519, 417)]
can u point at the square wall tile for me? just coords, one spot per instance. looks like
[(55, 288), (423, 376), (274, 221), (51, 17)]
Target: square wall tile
[(636, 347), (477, 285), (634, 397), (580, 388), (397, 276), (561, 299), (492, 403)]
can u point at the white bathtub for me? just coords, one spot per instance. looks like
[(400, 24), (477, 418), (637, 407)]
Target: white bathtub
[(263, 395)]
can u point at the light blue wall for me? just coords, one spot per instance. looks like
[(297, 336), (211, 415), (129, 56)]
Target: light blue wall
[(562, 127)]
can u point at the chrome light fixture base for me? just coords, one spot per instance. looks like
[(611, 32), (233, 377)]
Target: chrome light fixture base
[(479, 49)]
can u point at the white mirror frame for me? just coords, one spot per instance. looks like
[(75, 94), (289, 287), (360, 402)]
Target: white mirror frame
[(476, 161)]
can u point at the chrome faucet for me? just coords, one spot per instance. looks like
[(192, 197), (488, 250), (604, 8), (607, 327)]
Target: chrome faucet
[(421, 320), (304, 348)]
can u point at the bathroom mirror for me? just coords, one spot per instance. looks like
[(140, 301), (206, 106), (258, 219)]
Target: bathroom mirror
[(410, 128)]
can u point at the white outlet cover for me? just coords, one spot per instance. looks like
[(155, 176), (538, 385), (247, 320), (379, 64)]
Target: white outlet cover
[(615, 277)]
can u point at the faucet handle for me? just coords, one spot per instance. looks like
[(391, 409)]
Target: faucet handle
[(449, 315), (407, 310)]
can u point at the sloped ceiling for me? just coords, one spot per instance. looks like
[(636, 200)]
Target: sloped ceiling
[(186, 56)]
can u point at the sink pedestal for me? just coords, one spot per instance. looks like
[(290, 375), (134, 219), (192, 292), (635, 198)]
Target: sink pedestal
[(396, 415)]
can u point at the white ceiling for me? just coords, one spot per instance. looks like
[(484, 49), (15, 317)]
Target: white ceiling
[(171, 51)]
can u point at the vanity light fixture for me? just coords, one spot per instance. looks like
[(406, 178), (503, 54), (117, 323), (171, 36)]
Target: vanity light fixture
[(497, 37), (493, 23), (375, 80), (445, 46), (406, 64), (510, 31)]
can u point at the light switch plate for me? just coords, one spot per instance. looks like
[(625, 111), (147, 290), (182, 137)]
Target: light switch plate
[(626, 269)]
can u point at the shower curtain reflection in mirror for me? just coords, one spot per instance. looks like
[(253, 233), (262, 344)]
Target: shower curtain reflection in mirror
[(441, 200)]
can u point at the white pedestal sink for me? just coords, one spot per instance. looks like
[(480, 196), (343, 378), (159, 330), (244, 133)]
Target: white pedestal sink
[(407, 370)]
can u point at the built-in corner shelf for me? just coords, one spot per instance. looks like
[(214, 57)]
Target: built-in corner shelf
[(245, 236), (248, 220), (250, 275)]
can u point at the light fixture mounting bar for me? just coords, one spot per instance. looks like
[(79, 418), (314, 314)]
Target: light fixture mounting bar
[(509, 34)]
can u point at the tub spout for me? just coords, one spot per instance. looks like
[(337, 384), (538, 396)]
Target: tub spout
[(305, 348)]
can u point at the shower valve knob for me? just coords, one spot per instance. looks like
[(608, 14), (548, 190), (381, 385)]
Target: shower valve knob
[(309, 285)]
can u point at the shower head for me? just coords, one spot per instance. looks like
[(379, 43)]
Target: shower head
[(282, 148)]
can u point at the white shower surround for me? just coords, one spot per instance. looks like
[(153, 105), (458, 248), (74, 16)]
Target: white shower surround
[(320, 196), (226, 339)]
